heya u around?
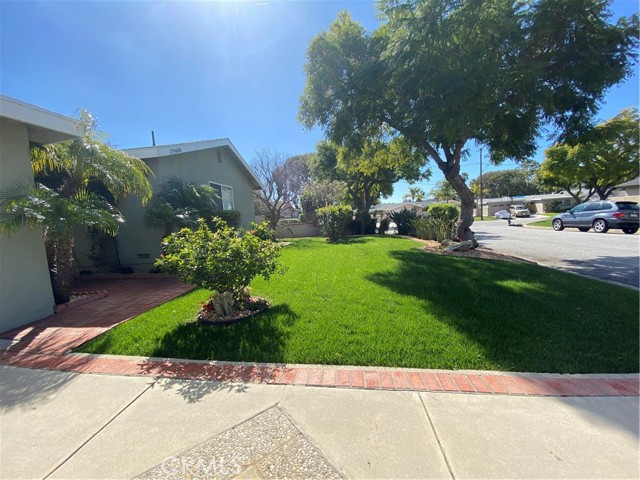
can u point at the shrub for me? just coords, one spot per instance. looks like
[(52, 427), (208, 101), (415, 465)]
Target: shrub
[(437, 229), (262, 231), (404, 220), (224, 260), (384, 226), (334, 220), (231, 217), (444, 211)]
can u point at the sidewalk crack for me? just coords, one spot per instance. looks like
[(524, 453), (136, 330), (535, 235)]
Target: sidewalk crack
[(435, 432), (111, 420)]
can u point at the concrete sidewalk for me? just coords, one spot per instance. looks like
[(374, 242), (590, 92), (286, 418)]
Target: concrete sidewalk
[(69, 425)]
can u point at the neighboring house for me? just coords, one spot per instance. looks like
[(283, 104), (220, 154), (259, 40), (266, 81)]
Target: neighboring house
[(535, 203), (25, 287), (216, 163), (627, 191), (289, 211), (420, 207)]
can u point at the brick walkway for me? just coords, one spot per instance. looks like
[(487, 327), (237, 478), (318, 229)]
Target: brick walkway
[(46, 344)]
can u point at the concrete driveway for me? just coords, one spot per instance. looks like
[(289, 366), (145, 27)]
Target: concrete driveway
[(612, 256)]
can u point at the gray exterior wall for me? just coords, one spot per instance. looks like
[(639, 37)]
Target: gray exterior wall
[(25, 288), (139, 245)]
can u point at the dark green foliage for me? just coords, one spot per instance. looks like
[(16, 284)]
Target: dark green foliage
[(334, 220), (404, 221), (179, 203), (231, 217), (438, 229), (443, 211), (439, 224), (384, 226)]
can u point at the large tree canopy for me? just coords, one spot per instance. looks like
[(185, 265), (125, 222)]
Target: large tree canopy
[(440, 73), (514, 182), (598, 161)]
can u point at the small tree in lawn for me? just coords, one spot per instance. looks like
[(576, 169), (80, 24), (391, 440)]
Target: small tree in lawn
[(223, 260)]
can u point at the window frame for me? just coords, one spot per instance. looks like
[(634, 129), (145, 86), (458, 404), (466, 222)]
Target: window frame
[(222, 186)]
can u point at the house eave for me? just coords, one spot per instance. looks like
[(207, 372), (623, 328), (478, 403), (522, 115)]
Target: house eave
[(43, 126)]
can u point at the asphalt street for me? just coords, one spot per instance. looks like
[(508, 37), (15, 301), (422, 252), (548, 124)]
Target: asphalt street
[(612, 256)]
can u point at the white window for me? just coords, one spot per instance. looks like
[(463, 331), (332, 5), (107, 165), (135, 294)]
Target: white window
[(225, 195)]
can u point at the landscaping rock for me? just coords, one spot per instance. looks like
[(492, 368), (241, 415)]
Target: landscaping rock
[(463, 246)]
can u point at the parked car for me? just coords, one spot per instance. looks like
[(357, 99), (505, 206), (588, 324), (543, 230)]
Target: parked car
[(503, 215), (601, 216), (519, 211)]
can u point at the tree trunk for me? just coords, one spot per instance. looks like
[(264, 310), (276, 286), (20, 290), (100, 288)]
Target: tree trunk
[(60, 258), (463, 232)]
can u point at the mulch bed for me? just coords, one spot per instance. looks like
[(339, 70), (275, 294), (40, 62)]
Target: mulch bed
[(209, 317), (434, 247)]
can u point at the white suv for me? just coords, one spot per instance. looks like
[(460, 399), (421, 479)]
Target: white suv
[(519, 211)]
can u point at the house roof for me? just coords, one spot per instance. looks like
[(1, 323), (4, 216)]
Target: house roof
[(631, 183), (526, 198), (43, 126), (181, 148)]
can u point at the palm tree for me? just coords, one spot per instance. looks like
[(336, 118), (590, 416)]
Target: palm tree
[(179, 203), (415, 194), (59, 216), (64, 197)]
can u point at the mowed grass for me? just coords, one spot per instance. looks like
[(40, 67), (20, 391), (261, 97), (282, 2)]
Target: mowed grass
[(382, 301), (541, 223)]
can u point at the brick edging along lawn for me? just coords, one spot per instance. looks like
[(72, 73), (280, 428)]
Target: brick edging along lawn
[(469, 382)]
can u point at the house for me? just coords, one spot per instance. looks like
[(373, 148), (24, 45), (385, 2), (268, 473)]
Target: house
[(290, 211), (420, 207), (542, 203), (627, 191), (25, 287), (216, 163)]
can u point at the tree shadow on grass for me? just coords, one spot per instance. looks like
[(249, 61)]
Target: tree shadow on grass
[(258, 339), (523, 317)]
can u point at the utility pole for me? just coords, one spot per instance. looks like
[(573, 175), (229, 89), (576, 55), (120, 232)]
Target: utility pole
[(481, 209)]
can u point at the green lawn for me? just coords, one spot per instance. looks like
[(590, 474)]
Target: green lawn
[(486, 217), (542, 223), (383, 301)]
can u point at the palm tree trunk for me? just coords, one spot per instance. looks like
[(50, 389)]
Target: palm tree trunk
[(60, 257)]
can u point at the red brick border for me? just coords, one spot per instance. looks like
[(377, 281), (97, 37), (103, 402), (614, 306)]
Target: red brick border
[(476, 382), (46, 344)]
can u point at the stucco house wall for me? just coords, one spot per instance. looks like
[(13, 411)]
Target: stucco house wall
[(200, 162), (25, 287), (627, 191)]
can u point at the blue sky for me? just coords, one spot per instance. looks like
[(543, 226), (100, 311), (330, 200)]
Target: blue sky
[(189, 70)]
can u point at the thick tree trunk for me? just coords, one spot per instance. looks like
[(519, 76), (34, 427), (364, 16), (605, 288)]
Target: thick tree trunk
[(60, 259), (451, 170), (463, 230)]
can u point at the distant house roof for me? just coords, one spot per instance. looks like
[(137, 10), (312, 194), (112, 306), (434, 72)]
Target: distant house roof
[(631, 183), (527, 198), (43, 126), (181, 148)]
